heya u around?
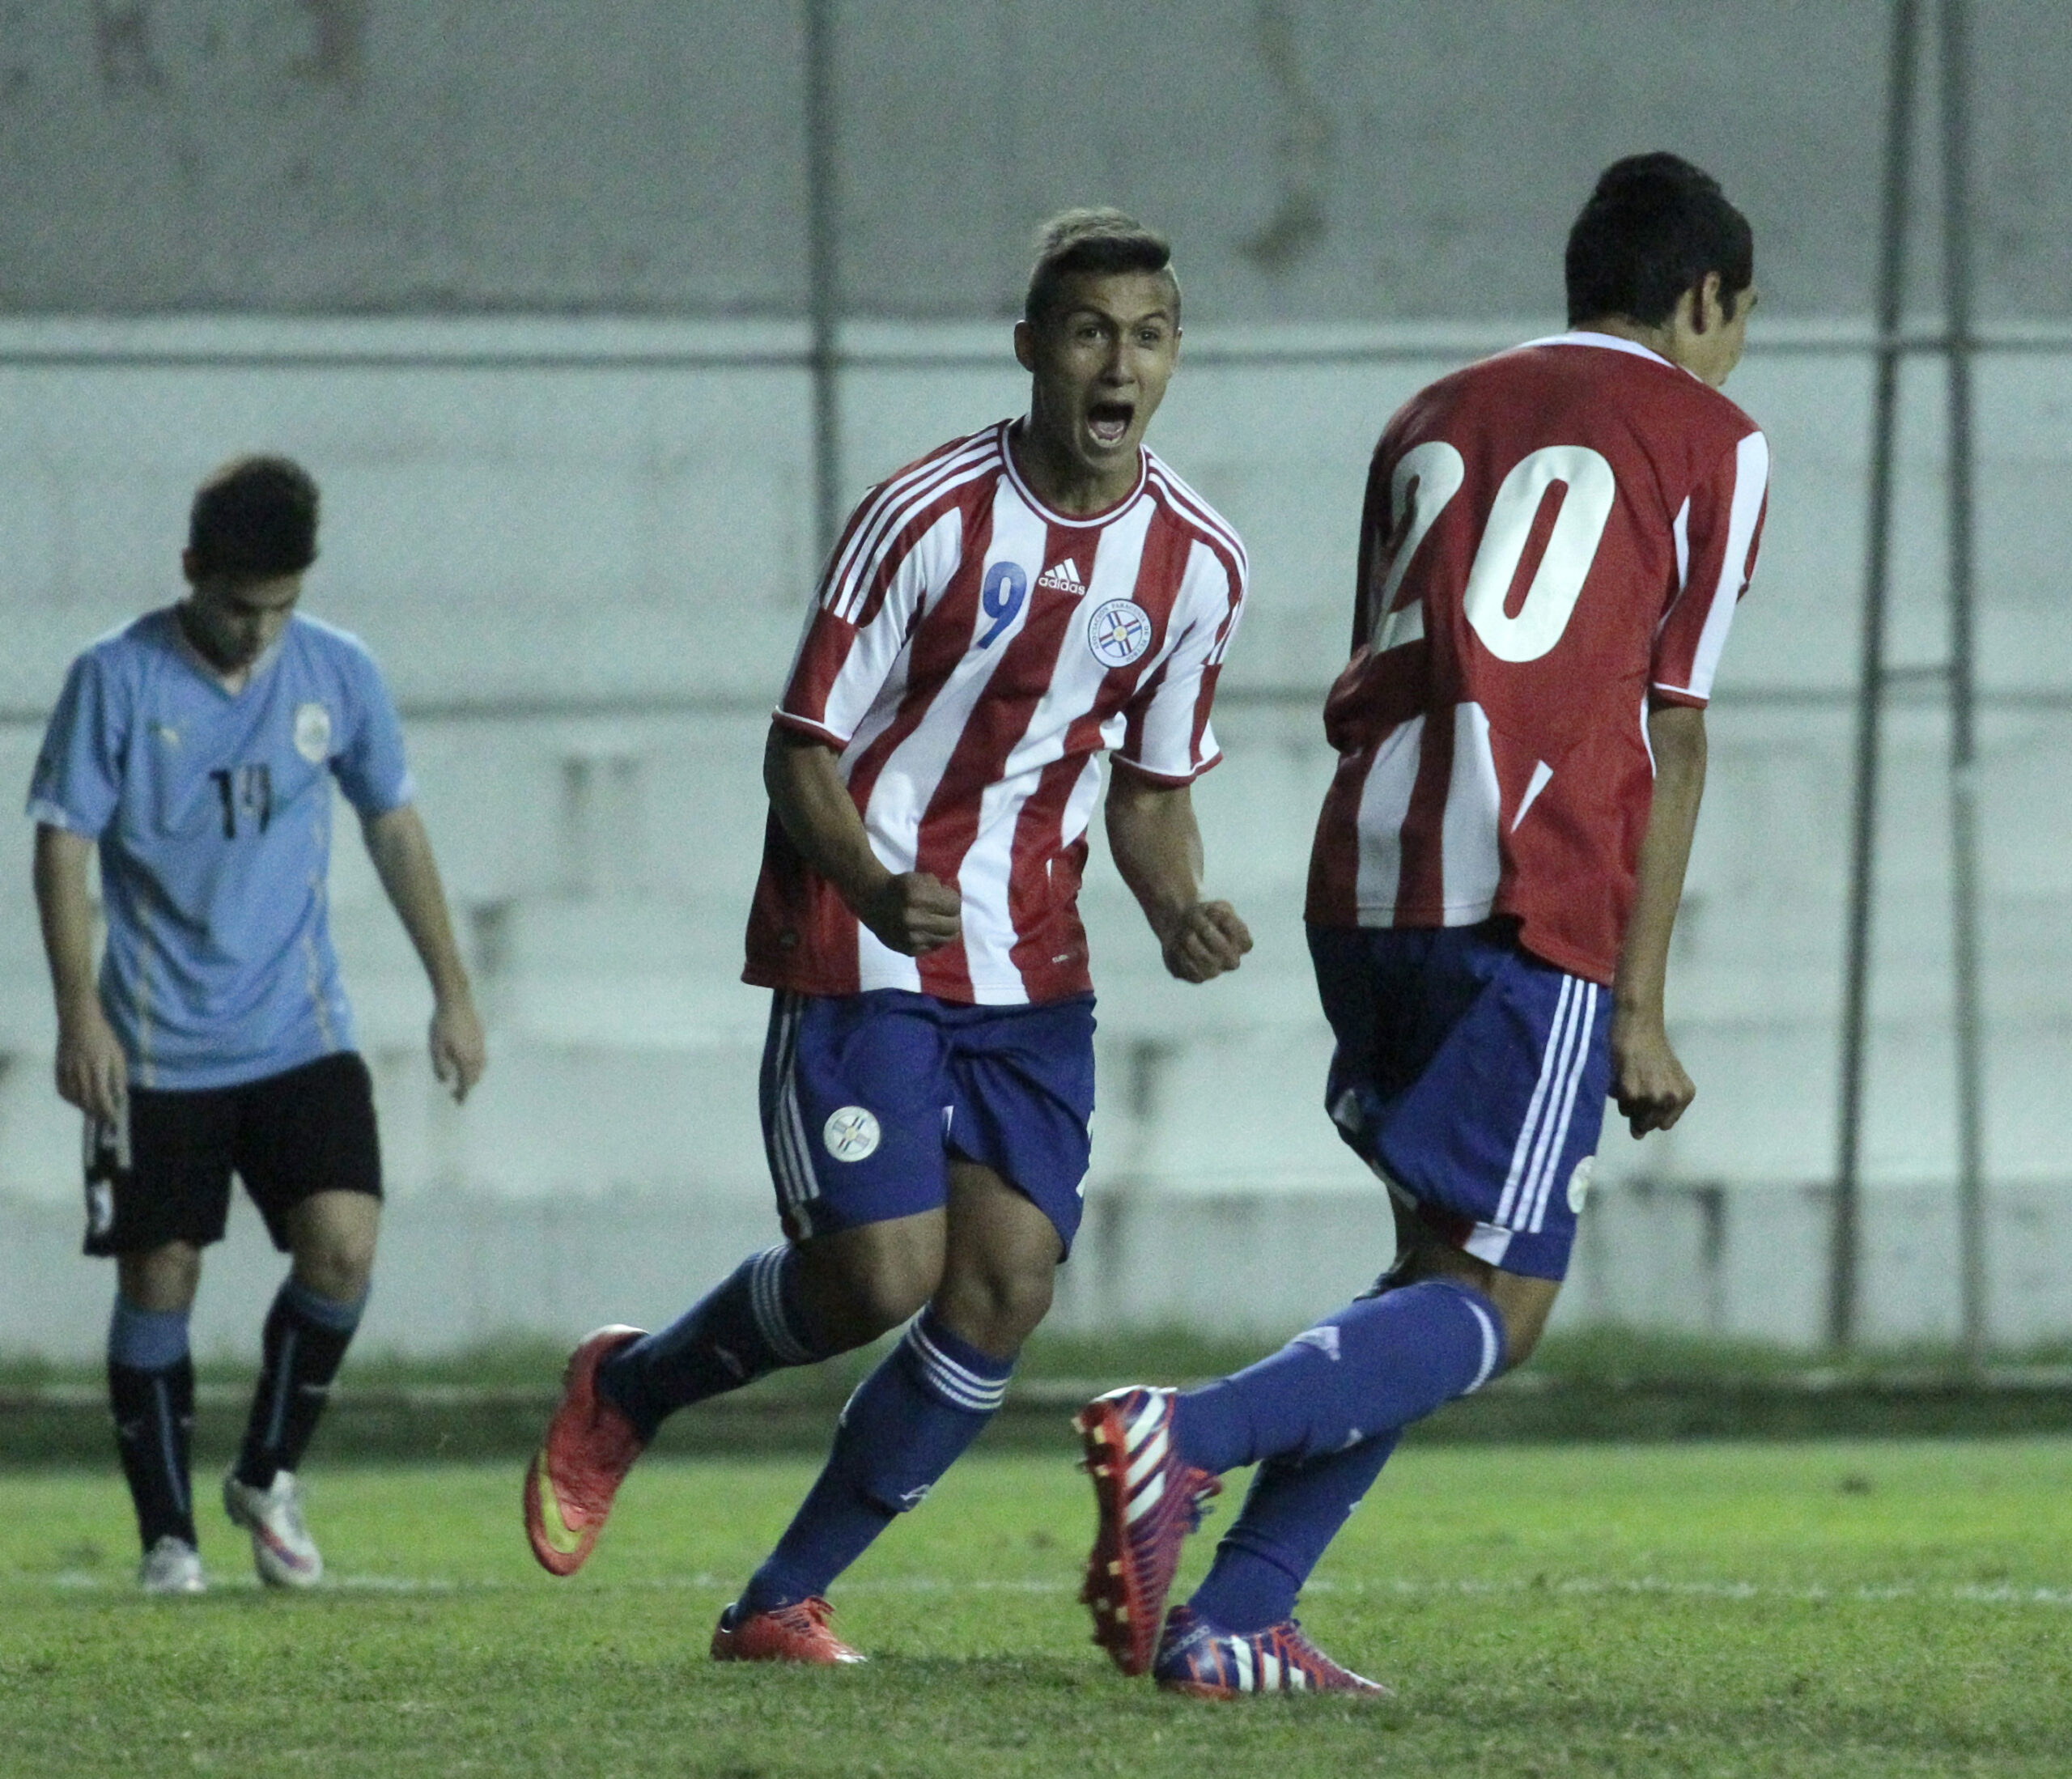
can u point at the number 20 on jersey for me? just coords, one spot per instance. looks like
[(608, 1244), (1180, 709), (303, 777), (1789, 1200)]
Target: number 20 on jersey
[(1427, 479)]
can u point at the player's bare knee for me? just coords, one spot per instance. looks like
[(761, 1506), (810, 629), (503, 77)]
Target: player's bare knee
[(997, 1308), (162, 1279), (341, 1269), (890, 1300), (857, 1296), (1521, 1335), (1524, 1305), (334, 1257)]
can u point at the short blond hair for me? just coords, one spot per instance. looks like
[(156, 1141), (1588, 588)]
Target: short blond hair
[(1092, 240)]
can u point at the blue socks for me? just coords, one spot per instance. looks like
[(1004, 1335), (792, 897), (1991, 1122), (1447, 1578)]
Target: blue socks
[(908, 1422), (752, 1323), (150, 1392), (1320, 1418), (1378, 1364), (1293, 1509)]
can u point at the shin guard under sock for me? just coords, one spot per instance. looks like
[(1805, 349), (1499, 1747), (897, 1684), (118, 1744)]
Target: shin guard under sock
[(1293, 1509), (303, 1344), (1377, 1364), (150, 1393), (752, 1323), (908, 1422)]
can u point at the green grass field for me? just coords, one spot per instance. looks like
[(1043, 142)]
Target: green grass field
[(1803, 1609)]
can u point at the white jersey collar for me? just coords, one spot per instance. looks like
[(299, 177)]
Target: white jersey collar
[(1611, 342), (1107, 516)]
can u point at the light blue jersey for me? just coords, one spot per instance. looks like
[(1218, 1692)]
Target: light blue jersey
[(213, 810)]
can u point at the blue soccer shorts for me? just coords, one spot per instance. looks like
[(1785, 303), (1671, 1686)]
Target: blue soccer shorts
[(866, 1098), (1471, 1077)]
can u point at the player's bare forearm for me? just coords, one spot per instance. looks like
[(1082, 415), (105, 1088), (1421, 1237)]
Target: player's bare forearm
[(1648, 1081), (401, 852), (403, 859), (90, 1070), (1157, 844), (911, 911)]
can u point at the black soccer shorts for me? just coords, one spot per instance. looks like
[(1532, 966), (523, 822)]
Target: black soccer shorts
[(163, 1173)]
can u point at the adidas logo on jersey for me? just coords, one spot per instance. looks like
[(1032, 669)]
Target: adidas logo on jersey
[(1064, 578)]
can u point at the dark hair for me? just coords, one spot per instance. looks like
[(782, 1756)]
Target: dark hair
[(1092, 240), (255, 516), (1651, 231)]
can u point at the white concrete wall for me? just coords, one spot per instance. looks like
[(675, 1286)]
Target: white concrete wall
[(1336, 158), (625, 547)]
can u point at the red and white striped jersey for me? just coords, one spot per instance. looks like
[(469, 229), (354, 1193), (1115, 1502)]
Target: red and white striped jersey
[(971, 654), (1551, 538)]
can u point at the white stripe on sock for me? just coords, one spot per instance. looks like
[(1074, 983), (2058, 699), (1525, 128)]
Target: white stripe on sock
[(766, 1300), (957, 1384), (1491, 1347)]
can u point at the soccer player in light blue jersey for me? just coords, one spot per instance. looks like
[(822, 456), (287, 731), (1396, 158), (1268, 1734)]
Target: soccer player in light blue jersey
[(195, 748)]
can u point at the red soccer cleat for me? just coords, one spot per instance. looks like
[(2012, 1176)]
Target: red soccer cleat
[(1207, 1661), (1147, 1498), (589, 1449), (785, 1633)]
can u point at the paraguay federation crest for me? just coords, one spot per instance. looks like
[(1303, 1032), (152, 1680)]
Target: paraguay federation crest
[(851, 1133), (1119, 632), (312, 732)]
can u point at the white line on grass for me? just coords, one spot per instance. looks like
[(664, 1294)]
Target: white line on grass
[(1976, 1594)]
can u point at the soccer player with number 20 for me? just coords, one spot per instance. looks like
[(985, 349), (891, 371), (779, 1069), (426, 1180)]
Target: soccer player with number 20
[(993, 619), (1552, 546)]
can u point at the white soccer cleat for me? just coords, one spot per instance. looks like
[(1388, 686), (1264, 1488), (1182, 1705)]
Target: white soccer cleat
[(282, 1551), (172, 1566)]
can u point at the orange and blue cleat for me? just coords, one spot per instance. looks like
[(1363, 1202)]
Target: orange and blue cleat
[(1146, 1498), (1203, 1659), (589, 1449)]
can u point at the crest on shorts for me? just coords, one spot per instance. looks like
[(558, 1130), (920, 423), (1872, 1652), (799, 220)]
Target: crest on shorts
[(850, 1134), (1119, 632), (1579, 1182), (100, 1208), (312, 732)]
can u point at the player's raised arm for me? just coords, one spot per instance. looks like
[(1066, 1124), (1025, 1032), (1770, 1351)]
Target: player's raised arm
[(911, 912), (401, 852), (1648, 1082), (92, 1072), (1157, 844)]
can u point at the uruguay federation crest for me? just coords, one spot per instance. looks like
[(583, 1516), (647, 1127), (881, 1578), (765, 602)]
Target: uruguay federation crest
[(1119, 632), (312, 732), (851, 1133)]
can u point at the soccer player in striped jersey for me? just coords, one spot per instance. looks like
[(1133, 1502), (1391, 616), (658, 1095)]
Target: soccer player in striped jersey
[(194, 751), (1552, 546), (994, 619)]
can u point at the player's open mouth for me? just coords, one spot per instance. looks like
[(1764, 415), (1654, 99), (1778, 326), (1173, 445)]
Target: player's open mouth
[(1108, 422)]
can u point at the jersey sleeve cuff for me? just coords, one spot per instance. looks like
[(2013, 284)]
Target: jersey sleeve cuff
[(806, 726), (403, 794), (1679, 695), (52, 815), (1175, 780)]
